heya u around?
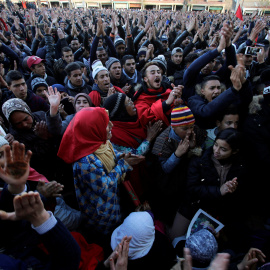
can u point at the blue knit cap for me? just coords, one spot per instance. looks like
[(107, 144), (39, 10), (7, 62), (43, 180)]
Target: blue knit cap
[(60, 88), (202, 245)]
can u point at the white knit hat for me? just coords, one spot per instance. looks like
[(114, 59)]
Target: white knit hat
[(97, 67)]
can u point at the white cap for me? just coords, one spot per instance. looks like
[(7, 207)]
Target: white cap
[(97, 67)]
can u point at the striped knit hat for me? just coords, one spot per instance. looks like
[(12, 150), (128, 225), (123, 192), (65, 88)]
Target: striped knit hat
[(182, 116)]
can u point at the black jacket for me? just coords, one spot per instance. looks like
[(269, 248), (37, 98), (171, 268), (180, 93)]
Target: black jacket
[(203, 188)]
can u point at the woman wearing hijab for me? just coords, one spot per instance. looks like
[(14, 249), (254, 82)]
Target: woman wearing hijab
[(31, 130), (53, 119), (149, 247), (128, 134), (97, 167)]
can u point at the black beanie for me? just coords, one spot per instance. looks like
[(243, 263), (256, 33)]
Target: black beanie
[(114, 104)]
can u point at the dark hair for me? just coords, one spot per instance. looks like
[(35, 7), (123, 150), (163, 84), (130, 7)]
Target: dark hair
[(146, 66), (232, 137), (242, 50), (71, 67), (137, 94), (74, 39), (66, 49), (209, 78), (125, 58), (231, 110), (190, 58), (13, 75), (100, 49)]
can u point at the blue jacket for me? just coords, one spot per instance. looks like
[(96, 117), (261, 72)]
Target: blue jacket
[(193, 76), (205, 112)]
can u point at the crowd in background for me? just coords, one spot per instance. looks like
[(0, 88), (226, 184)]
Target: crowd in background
[(117, 126)]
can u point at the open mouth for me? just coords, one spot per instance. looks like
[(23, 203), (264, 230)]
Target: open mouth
[(106, 84), (157, 80)]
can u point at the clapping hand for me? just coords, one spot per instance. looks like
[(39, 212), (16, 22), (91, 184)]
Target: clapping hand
[(229, 187), (251, 258), (120, 255), (132, 159), (51, 189), (41, 130)]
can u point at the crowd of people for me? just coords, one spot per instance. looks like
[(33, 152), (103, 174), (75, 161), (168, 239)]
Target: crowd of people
[(117, 126)]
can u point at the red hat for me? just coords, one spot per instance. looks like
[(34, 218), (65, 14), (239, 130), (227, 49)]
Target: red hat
[(34, 60)]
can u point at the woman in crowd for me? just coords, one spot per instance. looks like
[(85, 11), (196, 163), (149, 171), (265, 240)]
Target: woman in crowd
[(53, 119), (215, 184), (149, 247), (128, 135), (97, 167)]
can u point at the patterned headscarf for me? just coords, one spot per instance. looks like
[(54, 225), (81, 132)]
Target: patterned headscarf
[(15, 104)]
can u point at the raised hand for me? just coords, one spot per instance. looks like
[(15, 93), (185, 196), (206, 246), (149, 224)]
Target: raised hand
[(260, 56), (27, 206), (54, 98), (122, 258), (16, 167), (175, 93), (60, 33), (115, 253), (259, 26)]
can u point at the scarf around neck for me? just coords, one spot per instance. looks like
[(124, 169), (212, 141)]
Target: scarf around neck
[(71, 86), (133, 78), (106, 155)]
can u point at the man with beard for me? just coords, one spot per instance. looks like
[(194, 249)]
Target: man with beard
[(154, 97), (130, 71), (118, 78)]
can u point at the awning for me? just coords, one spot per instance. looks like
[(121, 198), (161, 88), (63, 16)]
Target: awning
[(117, 5), (198, 8), (161, 7), (215, 8), (135, 5)]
